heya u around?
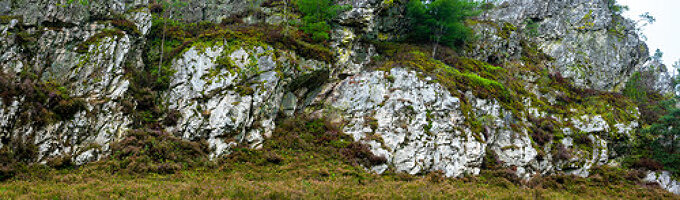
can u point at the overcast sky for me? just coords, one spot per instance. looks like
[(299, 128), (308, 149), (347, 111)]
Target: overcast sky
[(664, 34)]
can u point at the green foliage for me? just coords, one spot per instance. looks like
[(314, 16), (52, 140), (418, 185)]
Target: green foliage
[(658, 55), (81, 2), (45, 102), (18, 153), (317, 17), (441, 21), (665, 145), (639, 88), (5, 19), (145, 151), (531, 27), (615, 7), (322, 139), (125, 25)]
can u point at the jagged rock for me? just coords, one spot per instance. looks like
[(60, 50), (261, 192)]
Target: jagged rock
[(101, 122), (590, 45), (660, 80), (416, 125), (231, 106)]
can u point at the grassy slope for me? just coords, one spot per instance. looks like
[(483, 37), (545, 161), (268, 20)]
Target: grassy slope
[(308, 159), (285, 185)]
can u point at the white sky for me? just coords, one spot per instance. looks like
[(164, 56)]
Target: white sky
[(664, 34)]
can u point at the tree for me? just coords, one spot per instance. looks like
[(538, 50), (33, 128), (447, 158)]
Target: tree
[(658, 55), (645, 20), (615, 7), (676, 76), (441, 21), (665, 147), (317, 16)]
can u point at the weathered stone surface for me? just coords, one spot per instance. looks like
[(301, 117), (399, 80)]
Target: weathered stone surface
[(406, 116), (231, 106), (590, 45), (417, 124)]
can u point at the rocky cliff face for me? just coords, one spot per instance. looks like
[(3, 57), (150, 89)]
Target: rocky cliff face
[(535, 93)]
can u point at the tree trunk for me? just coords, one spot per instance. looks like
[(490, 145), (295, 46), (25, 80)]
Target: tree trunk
[(436, 43), (160, 63), (285, 16)]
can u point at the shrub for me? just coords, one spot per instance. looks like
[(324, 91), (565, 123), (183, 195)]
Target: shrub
[(84, 46), (560, 152), (543, 130), (18, 153), (640, 89), (360, 153), (144, 151), (45, 102), (125, 25), (155, 8), (490, 161), (615, 7), (665, 147), (646, 163), (317, 137)]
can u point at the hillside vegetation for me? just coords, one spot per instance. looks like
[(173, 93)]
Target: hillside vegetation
[(310, 154), (310, 159)]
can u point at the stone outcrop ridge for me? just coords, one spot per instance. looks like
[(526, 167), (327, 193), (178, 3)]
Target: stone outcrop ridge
[(410, 118)]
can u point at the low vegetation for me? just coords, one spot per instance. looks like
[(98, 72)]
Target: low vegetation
[(305, 158), (43, 102)]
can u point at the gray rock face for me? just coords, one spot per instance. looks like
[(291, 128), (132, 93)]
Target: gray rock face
[(223, 106), (418, 125), (96, 76), (228, 107), (590, 45), (57, 11)]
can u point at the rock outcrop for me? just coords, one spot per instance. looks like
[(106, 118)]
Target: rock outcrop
[(231, 91), (590, 43)]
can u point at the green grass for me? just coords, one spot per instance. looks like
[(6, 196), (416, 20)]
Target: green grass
[(304, 177)]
